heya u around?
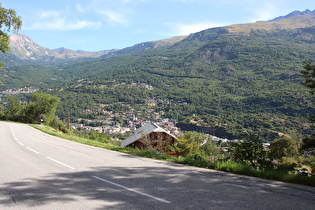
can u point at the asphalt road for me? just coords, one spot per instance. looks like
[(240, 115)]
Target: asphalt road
[(38, 171)]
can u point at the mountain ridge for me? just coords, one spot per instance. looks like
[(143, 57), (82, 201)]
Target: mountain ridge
[(24, 49), (295, 13)]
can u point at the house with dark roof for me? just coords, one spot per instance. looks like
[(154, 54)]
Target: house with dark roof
[(150, 136)]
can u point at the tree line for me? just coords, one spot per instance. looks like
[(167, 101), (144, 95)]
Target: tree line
[(40, 108)]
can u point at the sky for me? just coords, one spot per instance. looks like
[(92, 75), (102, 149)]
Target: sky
[(94, 25)]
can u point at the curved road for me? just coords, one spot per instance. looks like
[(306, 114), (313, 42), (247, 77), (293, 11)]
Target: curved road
[(39, 171)]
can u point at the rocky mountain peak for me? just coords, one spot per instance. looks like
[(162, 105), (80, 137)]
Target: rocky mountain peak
[(296, 13), (23, 47)]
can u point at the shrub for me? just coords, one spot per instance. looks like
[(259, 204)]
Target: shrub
[(283, 147), (310, 161), (187, 146), (287, 164), (248, 151), (58, 124)]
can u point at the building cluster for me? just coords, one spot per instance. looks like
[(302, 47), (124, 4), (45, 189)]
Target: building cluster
[(223, 140), (102, 129), (219, 141), (18, 91), (157, 100), (143, 85), (131, 125)]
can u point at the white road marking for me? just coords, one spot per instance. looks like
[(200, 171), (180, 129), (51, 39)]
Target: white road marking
[(32, 150), (13, 134), (132, 190), (60, 162)]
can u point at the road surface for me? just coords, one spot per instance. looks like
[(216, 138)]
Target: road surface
[(39, 171)]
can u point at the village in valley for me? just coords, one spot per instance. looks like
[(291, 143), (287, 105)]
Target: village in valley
[(131, 123), (125, 123), (24, 90)]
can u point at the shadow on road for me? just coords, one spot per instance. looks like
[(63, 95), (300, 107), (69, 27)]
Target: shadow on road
[(181, 187)]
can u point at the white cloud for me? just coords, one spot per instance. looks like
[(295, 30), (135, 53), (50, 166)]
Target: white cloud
[(186, 29), (79, 8), (49, 14), (54, 20), (267, 11), (80, 24), (113, 11), (114, 16), (263, 15)]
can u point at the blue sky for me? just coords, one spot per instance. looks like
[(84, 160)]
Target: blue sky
[(94, 25)]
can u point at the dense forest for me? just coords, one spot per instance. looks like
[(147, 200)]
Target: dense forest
[(217, 81)]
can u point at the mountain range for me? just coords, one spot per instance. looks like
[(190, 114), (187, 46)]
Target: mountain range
[(23, 48), (227, 81)]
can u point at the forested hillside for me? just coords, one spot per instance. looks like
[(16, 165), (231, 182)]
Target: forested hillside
[(227, 81)]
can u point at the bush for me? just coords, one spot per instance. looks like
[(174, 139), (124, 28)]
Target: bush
[(58, 124), (283, 147), (310, 161), (40, 109), (187, 146), (248, 151), (287, 164), (266, 164), (308, 145)]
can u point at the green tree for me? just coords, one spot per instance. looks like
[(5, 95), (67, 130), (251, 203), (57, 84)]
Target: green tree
[(187, 146), (42, 107), (1, 111), (14, 110), (210, 149), (283, 147), (308, 143), (8, 20), (206, 146), (309, 76), (248, 151), (198, 137)]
